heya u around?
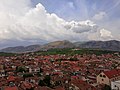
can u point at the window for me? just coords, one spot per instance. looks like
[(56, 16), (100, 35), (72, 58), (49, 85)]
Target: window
[(100, 75), (104, 76)]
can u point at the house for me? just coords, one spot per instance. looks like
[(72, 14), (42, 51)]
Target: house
[(34, 69), (107, 77), (2, 71)]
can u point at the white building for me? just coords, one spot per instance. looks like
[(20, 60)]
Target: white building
[(115, 85)]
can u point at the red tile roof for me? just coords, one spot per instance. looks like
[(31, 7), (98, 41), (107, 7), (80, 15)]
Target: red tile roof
[(112, 74), (59, 88), (11, 78), (42, 88), (27, 85), (74, 77), (11, 88), (82, 85)]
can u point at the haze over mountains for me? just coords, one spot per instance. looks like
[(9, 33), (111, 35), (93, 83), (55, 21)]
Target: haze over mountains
[(103, 45)]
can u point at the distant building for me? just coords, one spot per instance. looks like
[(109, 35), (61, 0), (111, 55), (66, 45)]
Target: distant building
[(2, 71), (34, 69)]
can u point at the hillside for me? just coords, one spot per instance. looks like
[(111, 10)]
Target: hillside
[(58, 44), (21, 49), (32, 48), (112, 45)]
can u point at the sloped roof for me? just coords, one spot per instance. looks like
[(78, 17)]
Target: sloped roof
[(11, 88), (112, 73)]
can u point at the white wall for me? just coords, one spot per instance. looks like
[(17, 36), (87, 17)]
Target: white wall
[(115, 85)]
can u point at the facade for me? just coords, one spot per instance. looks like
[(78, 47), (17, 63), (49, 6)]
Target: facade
[(103, 79)]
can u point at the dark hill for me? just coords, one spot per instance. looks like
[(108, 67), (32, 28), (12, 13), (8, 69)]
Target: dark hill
[(112, 45)]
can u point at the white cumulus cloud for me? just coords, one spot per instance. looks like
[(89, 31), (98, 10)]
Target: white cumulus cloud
[(20, 21), (81, 27), (105, 33)]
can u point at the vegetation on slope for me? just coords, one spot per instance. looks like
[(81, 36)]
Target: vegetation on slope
[(73, 52)]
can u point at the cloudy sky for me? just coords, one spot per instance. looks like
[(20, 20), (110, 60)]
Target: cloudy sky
[(24, 22)]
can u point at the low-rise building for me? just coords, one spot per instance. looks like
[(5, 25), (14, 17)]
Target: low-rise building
[(107, 77)]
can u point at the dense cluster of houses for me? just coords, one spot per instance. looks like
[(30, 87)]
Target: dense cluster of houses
[(60, 72)]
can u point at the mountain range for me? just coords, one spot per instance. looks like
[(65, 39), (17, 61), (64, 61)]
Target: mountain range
[(112, 45)]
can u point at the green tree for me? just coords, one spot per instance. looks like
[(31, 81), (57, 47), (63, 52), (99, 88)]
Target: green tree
[(27, 75), (106, 87), (20, 69), (47, 80), (41, 83)]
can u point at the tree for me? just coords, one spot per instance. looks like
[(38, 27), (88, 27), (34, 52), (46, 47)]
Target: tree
[(47, 80), (106, 87), (41, 83), (20, 69), (27, 75)]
